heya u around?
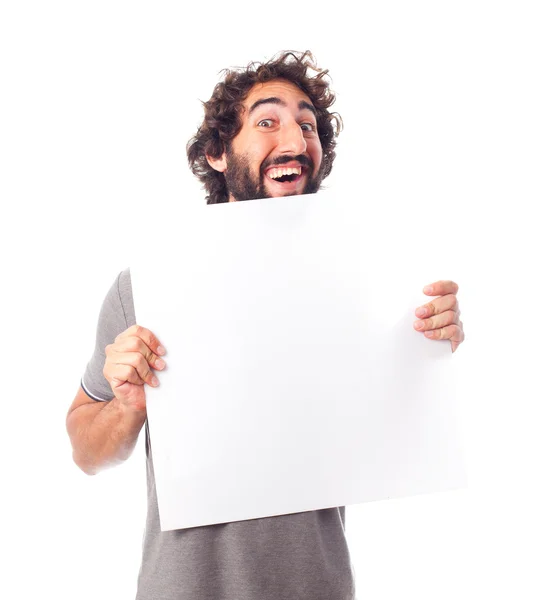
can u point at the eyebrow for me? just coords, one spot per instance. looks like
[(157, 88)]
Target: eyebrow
[(274, 100)]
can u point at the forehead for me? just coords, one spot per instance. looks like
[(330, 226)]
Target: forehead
[(279, 88)]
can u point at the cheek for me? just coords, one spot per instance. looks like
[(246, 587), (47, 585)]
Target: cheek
[(257, 152)]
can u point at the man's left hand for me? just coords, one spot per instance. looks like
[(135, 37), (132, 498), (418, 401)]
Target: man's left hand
[(441, 319)]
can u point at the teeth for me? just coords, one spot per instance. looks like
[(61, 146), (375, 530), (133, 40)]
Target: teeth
[(276, 173)]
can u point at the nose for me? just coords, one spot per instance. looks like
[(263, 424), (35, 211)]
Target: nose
[(292, 140)]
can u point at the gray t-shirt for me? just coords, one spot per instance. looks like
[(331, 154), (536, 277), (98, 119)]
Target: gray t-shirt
[(287, 557)]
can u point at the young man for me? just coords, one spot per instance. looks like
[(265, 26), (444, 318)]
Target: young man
[(272, 116), (267, 132)]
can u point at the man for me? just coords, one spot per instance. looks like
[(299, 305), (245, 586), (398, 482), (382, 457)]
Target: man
[(267, 132)]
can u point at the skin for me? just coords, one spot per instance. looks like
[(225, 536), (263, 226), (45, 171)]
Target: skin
[(441, 320), (275, 133)]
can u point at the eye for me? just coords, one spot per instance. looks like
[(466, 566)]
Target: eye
[(310, 126), (265, 121)]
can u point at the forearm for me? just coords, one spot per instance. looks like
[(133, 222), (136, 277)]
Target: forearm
[(103, 434)]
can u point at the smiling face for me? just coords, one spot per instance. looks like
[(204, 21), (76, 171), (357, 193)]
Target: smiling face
[(277, 151)]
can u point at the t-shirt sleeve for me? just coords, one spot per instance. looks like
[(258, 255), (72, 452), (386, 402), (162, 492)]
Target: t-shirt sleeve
[(116, 315)]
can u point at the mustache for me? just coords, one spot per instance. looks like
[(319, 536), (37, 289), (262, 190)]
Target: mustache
[(303, 160)]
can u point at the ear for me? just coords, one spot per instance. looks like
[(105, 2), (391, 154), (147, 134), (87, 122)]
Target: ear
[(219, 164)]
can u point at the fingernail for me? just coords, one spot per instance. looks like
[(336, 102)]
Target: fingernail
[(421, 312), (155, 381), (427, 289), (160, 350)]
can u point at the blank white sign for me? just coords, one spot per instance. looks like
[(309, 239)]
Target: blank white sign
[(295, 380)]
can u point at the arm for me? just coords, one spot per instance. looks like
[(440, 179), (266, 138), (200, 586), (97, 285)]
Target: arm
[(102, 434)]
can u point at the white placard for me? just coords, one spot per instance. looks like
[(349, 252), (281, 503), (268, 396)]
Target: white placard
[(295, 380)]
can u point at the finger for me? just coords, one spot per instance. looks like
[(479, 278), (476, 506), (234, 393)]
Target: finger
[(451, 332), (135, 345), (117, 374), (145, 335), (437, 306), (132, 366), (456, 343), (442, 320), (440, 288)]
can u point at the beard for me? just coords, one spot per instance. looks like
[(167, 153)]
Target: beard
[(243, 185)]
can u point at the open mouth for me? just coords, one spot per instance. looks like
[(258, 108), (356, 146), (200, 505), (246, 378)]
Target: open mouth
[(285, 179)]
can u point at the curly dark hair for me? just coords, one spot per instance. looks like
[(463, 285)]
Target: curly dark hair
[(223, 114)]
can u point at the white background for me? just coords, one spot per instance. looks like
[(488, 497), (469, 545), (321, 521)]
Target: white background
[(97, 102)]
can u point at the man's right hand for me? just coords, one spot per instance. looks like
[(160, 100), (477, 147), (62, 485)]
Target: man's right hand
[(129, 365)]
